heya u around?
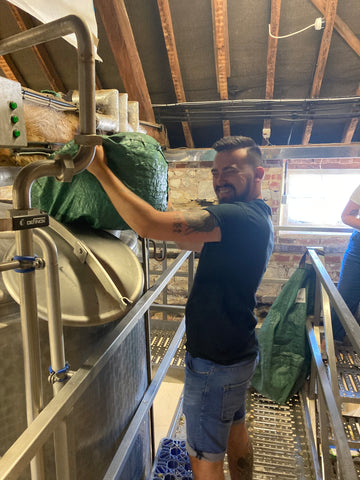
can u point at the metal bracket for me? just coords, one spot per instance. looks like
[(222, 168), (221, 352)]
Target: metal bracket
[(89, 140), (85, 255), (61, 375), (80, 251), (24, 220), (28, 263), (159, 257), (67, 173)]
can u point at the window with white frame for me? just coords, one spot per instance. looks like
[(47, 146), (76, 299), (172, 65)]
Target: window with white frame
[(317, 197)]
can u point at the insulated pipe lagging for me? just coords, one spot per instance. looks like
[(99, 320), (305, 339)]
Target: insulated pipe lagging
[(86, 59), (86, 79)]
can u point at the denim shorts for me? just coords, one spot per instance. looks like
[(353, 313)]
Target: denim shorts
[(214, 400)]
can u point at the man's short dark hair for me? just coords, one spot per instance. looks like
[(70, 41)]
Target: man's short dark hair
[(235, 142)]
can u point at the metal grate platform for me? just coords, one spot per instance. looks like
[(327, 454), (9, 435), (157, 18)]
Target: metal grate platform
[(279, 439), (348, 366), (160, 340)]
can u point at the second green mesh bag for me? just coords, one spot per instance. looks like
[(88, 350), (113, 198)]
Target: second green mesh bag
[(285, 356)]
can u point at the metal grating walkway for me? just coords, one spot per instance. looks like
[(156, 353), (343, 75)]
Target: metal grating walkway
[(348, 366), (160, 340), (279, 438)]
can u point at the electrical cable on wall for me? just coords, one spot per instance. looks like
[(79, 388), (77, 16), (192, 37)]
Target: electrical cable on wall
[(319, 24)]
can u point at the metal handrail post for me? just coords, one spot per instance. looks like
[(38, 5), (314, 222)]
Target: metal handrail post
[(347, 319), (165, 291), (31, 343), (330, 347), (120, 457), (56, 342), (191, 271), (344, 458), (147, 320), (22, 186), (309, 419), (324, 436)]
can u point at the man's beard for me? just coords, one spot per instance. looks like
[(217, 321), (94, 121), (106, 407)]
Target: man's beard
[(240, 197)]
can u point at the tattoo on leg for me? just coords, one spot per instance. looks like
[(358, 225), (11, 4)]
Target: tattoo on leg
[(245, 465)]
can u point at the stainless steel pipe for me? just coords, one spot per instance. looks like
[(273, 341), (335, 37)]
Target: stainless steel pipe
[(86, 59), (56, 342), (22, 186)]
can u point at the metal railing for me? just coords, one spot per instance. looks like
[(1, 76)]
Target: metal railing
[(322, 400), (63, 170), (20, 454)]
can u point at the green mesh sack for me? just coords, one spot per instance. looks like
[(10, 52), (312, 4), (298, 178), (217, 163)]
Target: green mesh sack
[(135, 158), (285, 356)]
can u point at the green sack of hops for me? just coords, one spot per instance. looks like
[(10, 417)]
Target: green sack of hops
[(135, 158)]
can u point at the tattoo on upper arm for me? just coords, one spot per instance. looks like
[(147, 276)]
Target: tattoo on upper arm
[(354, 212), (194, 221)]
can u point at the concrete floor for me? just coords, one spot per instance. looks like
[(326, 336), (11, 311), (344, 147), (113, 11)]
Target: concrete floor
[(165, 404)]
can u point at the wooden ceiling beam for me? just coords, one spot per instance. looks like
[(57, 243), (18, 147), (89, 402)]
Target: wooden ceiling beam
[(98, 84), (6, 69), (220, 46), (122, 43), (330, 15), (221, 50), (10, 71), (351, 125), (341, 27), (272, 48), (40, 51), (271, 56), (169, 37)]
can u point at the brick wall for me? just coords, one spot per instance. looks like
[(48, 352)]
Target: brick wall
[(190, 185)]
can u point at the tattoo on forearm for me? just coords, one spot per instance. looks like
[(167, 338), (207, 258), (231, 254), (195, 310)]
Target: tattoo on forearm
[(199, 221), (354, 212)]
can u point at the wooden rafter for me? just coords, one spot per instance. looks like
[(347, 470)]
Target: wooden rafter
[(272, 48), (14, 69), (40, 51), (221, 48), (341, 27), (330, 15), (121, 39), (271, 55), (354, 42), (169, 37), (98, 84), (351, 125), (8, 71)]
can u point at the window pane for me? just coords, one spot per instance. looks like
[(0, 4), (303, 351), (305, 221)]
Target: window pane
[(319, 198)]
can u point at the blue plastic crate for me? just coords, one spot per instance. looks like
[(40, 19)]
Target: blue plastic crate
[(172, 461)]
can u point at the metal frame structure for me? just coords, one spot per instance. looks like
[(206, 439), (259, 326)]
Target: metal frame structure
[(321, 399), (30, 442), (323, 392)]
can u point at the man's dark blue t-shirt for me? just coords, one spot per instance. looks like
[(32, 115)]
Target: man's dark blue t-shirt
[(220, 323)]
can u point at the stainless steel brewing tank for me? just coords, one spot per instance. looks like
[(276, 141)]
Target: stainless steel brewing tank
[(89, 261), (99, 418)]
